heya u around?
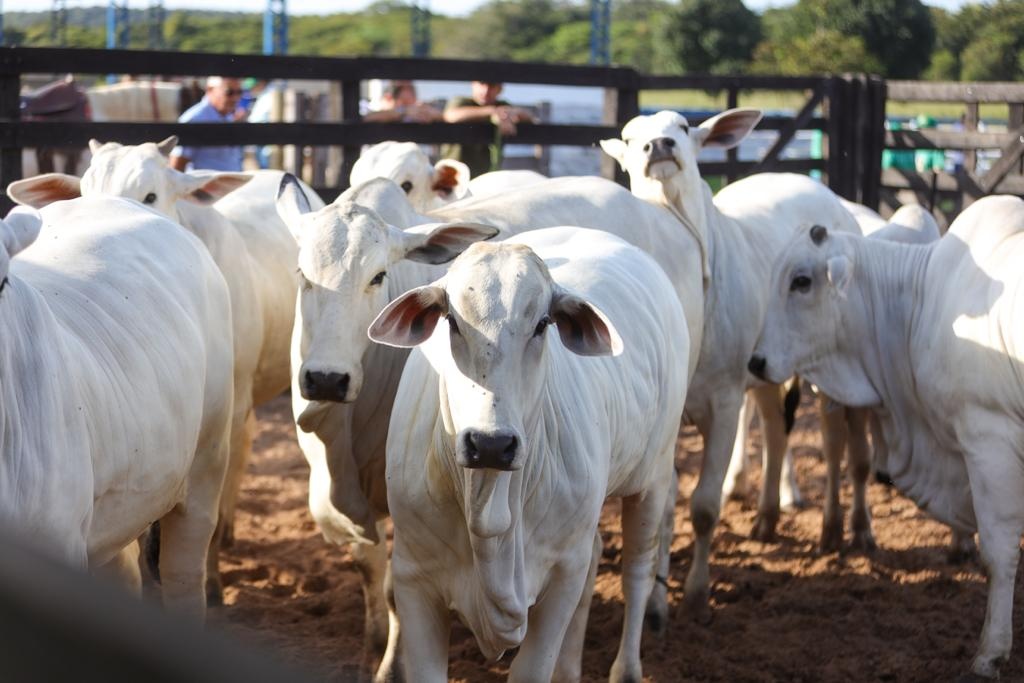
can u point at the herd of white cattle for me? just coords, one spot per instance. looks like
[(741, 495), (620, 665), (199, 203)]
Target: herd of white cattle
[(494, 443)]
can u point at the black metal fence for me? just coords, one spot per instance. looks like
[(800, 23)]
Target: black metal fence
[(851, 109)]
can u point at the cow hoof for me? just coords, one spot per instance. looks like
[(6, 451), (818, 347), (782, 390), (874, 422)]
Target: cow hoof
[(831, 538), (656, 615), (863, 542), (764, 527)]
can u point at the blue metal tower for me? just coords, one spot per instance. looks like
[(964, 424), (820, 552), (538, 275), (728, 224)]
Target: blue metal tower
[(59, 22), (275, 28), (117, 25), (420, 28), (600, 31), (155, 16), (1, 22)]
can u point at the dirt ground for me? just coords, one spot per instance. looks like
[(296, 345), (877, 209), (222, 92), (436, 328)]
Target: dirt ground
[(782, 611)]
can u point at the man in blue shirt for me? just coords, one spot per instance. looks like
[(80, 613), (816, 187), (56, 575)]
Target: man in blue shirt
[(219, 105)]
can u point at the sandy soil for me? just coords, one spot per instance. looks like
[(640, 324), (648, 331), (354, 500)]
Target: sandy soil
[(782, 611)]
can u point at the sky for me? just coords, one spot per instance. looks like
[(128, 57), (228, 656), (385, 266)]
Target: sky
[(449, 7)]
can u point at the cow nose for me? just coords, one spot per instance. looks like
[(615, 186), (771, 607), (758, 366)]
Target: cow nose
[(757, 365), (660, 145), (324, 386), (492, 451)]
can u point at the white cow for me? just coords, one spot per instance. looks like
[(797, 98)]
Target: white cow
[(116, 390), (743, 228), (496, 489), (498, 182), (248, 241), (429, 186), (135, 101), (353, 263), (844, 427), (931, 335)]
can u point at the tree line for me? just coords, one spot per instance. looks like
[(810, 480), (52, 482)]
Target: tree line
[(893, 38)]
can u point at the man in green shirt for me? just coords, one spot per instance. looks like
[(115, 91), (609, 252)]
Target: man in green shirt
[(483, 105)]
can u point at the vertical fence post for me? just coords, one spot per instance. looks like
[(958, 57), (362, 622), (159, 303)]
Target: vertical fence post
[(971, 119), (1015, 121), (620, 105), (10, 156), (834, 130), (871, 183), (349, 114)]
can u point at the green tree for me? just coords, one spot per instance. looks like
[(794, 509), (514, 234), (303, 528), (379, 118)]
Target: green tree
[(897, 35), (711, 36), (823, 51)]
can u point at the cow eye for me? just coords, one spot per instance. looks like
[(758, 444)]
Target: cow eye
[(149, 199), (541, 326), (452, 324), (801, 283), (407, 187), (378, 278)]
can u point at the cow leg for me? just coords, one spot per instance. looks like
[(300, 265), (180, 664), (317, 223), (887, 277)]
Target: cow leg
[(833, 437), (569, 667), (550, 620), (390, 669), (859, 464), (718, 428), (123, 570), (372, 562), (641, 517), (879, 450), (427, 625), (242, 424), (656, 614), (736, 484), (997, 479), (773, 429)]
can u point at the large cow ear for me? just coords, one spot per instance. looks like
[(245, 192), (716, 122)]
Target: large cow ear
[(410, 319), (40, 190), (616, 149), (583, 328), (840, 273), (20, 228), (727, 129), (436, 243), (292, 203), (207, 188), (451, 179)]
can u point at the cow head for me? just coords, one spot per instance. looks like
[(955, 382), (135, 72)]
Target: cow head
[(497, 303), (346, 257), (138, 172), (18, 229), (810, 327), (427, 186), (662, 149)]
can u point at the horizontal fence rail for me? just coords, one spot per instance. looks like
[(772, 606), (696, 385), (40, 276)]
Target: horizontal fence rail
[(622, 87)]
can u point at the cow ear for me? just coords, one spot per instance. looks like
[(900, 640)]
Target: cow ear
[(208, 188), (20, 228), (437, 243), (167, 144), (95, 145), (40, 190), (840, 273), (451, 179), (583, 328), (616, 149), (727, 129), (292, 203), (410, 319)]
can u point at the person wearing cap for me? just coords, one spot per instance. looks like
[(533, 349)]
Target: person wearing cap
[(219, 105), (483, 106)]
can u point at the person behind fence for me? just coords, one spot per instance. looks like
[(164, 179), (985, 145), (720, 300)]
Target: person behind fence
[(399, 104), (219, 105), (483, 105)]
